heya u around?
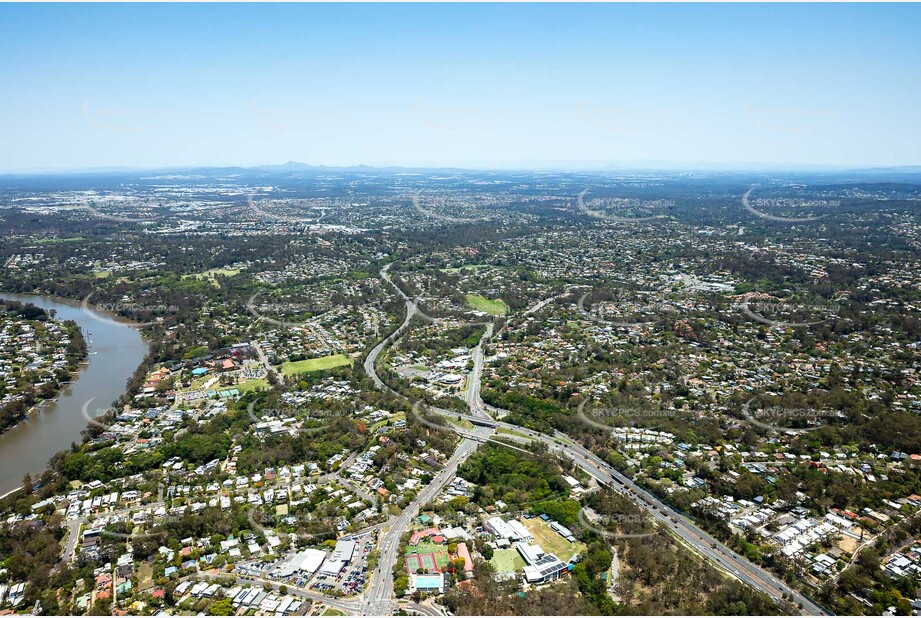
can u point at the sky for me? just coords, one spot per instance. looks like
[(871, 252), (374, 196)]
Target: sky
[(505, 86)]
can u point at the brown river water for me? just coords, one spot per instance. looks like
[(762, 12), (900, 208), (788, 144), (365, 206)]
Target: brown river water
[(116, 349)]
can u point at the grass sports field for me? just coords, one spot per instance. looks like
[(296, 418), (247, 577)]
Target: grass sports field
[(211, 274), (253, 385), (481, 303), (550, 541), (507, 560), (315, 364)]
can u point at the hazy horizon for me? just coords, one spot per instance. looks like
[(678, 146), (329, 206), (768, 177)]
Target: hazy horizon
[(535, 166)]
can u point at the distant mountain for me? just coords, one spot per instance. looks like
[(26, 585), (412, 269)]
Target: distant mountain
[(295, 167)]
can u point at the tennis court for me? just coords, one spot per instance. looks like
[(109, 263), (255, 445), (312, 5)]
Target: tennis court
[(428, 556), (426, 562), (413, 564)]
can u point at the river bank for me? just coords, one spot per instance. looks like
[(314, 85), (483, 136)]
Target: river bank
[(45, 333), (115, 348)]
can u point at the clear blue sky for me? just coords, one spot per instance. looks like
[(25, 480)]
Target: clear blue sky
[(476, 85)]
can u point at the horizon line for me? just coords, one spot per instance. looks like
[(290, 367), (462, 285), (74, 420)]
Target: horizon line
[(536, 166)]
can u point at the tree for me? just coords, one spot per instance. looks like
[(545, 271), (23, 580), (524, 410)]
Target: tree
[(400, 584), (224, 607)]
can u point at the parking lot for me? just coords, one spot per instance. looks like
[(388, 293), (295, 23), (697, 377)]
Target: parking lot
[(352, 579)]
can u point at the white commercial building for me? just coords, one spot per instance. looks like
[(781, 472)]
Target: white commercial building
[(343, 552), (332, 567), (498, 527), (521, 533), (311, 559)]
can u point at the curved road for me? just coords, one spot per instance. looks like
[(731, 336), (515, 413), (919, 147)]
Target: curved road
[(378, 595), (723, 557)]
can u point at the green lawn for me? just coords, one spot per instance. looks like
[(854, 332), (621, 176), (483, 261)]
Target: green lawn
[(481, 303), (55, 240), (550, 541), (507, 560), (462, 423), (145, 576), (214, 272), (251, 385), (380, 424), (331, 611), (315, 364)]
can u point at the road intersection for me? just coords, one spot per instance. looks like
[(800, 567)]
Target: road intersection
[(680, 526)]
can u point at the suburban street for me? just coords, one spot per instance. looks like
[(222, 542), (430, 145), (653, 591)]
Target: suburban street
[(704, 544), (378, 596)]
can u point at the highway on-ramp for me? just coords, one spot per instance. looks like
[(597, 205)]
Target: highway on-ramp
[(716, 552), (378, 596), (378, 599)]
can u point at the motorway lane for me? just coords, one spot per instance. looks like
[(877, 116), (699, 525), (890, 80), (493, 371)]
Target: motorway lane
[(699, 540), (472, 392), (727, 560), (371, 359), (377, 596)]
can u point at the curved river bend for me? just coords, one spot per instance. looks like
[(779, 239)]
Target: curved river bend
[(115, 349)]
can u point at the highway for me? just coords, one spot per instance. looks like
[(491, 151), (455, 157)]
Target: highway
[(378, 597), (700, 541), (371, 359), (474, 379)]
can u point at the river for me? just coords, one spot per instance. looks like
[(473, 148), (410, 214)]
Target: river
[(116, 349)]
